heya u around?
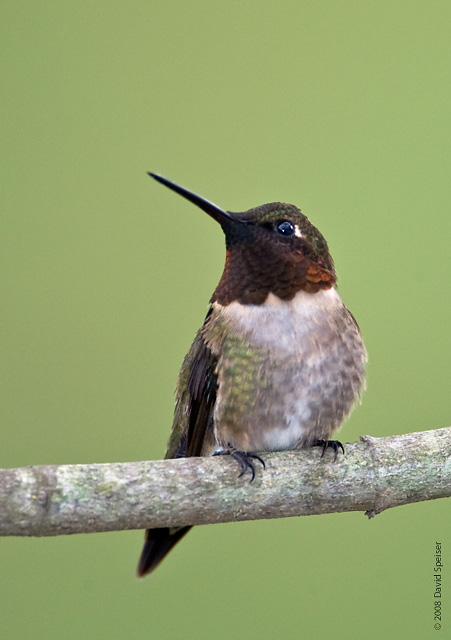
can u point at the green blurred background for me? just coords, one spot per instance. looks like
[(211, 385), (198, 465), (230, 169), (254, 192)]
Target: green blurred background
[(342, 108)]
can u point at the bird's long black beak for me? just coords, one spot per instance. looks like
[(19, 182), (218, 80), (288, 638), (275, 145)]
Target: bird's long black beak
[(218, 214)]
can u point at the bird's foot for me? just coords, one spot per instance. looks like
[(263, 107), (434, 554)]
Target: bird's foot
[(333, 444), (244, 459)]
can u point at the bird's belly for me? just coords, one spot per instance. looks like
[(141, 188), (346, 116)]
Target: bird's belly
[(279, 392), (286, 406)]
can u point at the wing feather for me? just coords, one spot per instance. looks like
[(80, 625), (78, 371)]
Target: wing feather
[(193, 426)]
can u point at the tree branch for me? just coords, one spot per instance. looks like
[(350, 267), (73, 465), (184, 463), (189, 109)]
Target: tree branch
[(375, 474)]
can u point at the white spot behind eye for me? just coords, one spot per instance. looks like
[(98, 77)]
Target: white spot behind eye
[(297, 231)]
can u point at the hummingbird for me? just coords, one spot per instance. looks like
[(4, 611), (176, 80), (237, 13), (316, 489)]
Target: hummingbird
[(279, 361)]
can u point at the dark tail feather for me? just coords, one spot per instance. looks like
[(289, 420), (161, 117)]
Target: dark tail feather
[(157, 544)]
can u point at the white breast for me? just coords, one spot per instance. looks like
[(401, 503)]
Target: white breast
[(282, 325)]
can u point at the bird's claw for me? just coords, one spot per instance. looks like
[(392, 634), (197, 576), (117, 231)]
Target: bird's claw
[(333, 444), (244, 459)]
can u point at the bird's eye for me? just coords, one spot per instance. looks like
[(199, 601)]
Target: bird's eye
[(285, 228)]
